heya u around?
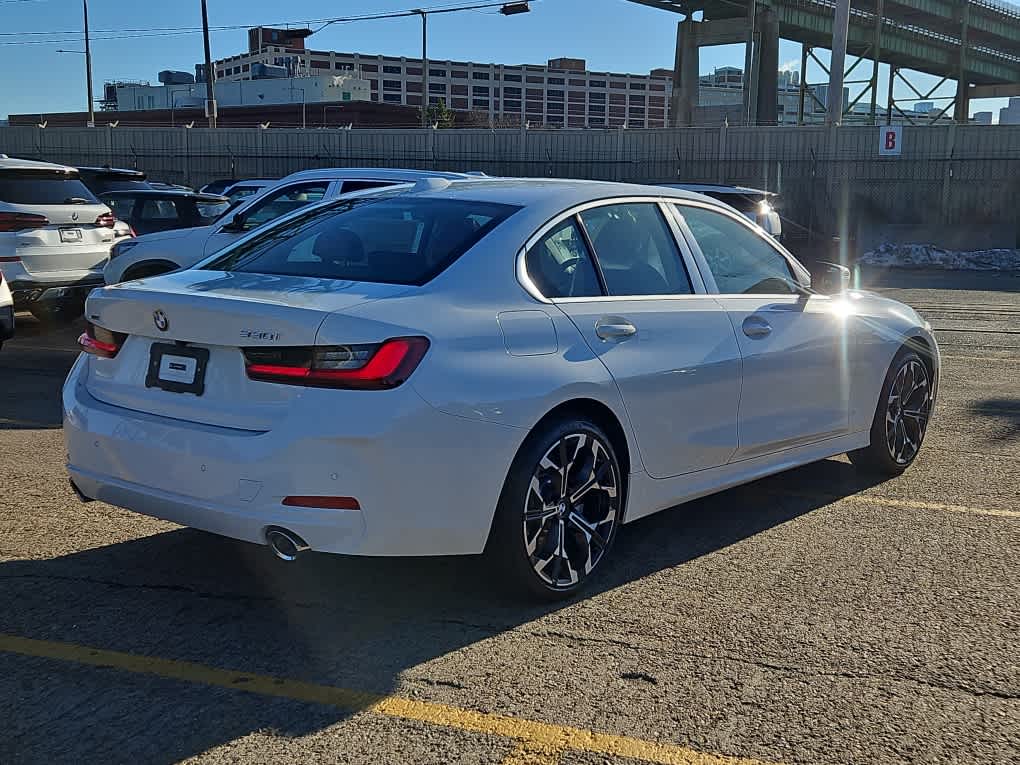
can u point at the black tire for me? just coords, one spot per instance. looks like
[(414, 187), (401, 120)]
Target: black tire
[(58, 312), (897, 430), (527, 554)]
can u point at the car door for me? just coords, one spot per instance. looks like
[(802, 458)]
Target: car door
[(794, 344), (616, 270), (266, 207)]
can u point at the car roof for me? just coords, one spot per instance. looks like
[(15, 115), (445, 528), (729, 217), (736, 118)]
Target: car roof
[(557, 193), (13, 163), (253, 182), (114, 171), (166, 194), (373, 173), (718, 188)]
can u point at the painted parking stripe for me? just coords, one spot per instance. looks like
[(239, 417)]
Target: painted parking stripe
[(907, 504), (536, 740)]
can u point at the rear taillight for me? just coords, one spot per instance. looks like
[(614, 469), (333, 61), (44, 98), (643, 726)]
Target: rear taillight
[(101, 342), (21, 221), (106, 220), (378, 366)]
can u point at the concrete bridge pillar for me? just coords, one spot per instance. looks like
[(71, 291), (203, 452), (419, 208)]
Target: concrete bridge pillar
[(685, 75)]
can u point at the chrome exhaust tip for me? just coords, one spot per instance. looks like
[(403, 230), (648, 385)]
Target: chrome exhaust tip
[(286, 545)]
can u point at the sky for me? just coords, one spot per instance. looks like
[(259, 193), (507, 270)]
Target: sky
[(610, 34)]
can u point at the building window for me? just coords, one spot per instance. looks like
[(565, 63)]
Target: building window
[(437, 87), (554, 95), (637, 100), (370, 67), (511, 77), (575, 109), (576, 96), (391, 98), (617, 98), (555, 119), (511, 92), (391, 84), (480, 90), (596, 122), (596, 83), (534, 106), (595, 109), (537, 80), (436, 72), (555, 81), (657, 86), (479, 75), (320, 64), (414, 100), (220, 73), (392, 70), (374, 84), (480, 103), (596, 98), (245, 67), (577, 83), (534, 92), (414, 70), (459, 74), (459, 90), (553, 108), (637, 111), (618, 85), (414, 87), (637, 86), (656, 100), (511, 106), (460, 103)]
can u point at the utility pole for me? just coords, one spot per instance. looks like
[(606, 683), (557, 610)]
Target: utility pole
[(424, 69), (840, 26), (88, 66), (210, 94)]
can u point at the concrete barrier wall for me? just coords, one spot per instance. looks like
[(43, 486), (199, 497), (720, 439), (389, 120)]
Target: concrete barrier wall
[(951, 175)]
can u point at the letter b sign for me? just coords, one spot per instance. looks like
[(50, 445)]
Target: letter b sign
[(890, 143)]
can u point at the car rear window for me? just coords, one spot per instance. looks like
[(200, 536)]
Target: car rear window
[(43, 188), (393, 240)]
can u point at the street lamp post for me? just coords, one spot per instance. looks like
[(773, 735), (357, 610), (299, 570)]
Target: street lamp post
[(424, 68), (210, 94)]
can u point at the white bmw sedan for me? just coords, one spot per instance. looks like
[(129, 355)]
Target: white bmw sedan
[(509, 366)]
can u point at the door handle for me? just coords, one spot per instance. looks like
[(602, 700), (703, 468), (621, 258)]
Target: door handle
[(614, 328), (756, 326)]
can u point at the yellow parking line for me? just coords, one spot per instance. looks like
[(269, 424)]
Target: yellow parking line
[(537, 740)]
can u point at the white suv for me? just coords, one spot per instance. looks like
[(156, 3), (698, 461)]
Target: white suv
[(6, 311), (55, 237), (158, 253)]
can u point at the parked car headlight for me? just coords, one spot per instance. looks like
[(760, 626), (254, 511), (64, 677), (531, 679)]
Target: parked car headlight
[(120, 248)]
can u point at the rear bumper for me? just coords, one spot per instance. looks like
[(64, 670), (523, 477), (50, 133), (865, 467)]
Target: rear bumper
[(28, 287), (427, 482)]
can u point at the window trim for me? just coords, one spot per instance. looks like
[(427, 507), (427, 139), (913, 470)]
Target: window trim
[(802, 277), (698, 286)]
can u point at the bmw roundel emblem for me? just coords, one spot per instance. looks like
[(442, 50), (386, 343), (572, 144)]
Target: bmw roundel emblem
[(160, 320)]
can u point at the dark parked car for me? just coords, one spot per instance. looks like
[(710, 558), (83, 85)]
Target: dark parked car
[(757, 205), (218, 186), (151, 210), (103, 179)]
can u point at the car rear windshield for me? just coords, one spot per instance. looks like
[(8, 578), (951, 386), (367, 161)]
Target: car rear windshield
[(35, 187), (394, 240)]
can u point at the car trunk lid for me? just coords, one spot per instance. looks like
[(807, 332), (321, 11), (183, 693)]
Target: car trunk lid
[(211, 316)]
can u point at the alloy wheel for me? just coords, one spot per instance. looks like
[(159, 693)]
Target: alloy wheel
[(907, 411), (572, 509)]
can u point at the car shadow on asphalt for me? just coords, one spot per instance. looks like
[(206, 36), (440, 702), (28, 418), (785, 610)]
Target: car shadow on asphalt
[(360, 623), (1006, 410)]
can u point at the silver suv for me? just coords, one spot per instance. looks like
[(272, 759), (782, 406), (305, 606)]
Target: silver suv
[(55, 237)]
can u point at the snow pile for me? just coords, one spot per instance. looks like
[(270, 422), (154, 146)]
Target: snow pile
[(930, 256)]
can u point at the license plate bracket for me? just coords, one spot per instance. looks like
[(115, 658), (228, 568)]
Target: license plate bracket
[(70, 235), (177, 368)]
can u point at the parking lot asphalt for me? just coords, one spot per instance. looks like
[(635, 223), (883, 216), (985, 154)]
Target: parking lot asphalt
[(812, 617)]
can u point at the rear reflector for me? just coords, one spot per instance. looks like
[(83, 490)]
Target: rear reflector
[(324, 503), (358, 367), (101, 342), (21, 221)]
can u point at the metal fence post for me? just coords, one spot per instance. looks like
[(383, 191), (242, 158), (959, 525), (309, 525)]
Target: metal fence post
[(947, 174)]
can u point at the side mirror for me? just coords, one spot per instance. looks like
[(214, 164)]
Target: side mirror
[(236, 223), (830, 278)]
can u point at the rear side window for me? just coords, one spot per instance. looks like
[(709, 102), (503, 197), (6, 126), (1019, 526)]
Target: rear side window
[(636, 250), (560, 264), (283, 201), (394, 240), (122, 206), (43, 188), (158, 209)]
